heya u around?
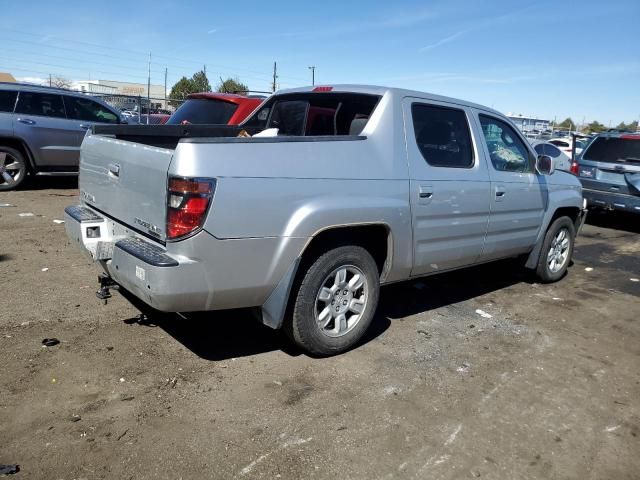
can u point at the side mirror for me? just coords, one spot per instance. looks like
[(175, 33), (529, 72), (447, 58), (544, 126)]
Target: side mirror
[(544, 165)]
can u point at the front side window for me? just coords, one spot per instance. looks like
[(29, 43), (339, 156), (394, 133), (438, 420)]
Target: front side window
[(507, 152), (43, 104), (442, 135), (85, 109), (7, 100)]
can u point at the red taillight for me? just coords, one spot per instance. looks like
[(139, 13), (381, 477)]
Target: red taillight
[(574, 168), (322, 89), (188, 200), (631, 136)]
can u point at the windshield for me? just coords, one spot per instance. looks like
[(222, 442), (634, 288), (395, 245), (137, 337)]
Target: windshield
[(315, 114), (614, 150), (203, 111)]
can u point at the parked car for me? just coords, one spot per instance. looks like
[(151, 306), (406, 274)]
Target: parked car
[(307, 225), (560, 159), (566, 144), (609, 169), (41, 129), (214, 108)]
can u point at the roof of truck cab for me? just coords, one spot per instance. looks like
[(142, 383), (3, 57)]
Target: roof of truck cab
[(379, 90), (226, 97)]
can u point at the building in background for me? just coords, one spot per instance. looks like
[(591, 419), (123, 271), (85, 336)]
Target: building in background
[(7, 77), (529, 124), (124, 95)]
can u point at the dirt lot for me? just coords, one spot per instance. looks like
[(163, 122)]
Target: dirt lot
[(548, 387)]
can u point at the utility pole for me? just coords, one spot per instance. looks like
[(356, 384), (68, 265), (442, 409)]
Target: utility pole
[(148, 90), (49, 79), (313, 74), (165, 87), (275, 76)]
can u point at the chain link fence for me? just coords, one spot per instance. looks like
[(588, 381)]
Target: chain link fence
[(139, 109)]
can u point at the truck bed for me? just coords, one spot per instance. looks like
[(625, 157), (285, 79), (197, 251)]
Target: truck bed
[(168, 136)]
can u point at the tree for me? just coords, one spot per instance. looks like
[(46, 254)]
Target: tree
[(180, 90), (200, 82), (595, 127), (183, 87), (567, 123), (60, 82), (632, 126), (232, 85)]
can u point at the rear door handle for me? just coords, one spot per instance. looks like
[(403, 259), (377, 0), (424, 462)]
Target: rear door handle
[(27, 121), (114, 169), (500, 193), (426, 193)]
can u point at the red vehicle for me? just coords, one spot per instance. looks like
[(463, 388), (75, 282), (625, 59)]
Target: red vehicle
[(214, 108)]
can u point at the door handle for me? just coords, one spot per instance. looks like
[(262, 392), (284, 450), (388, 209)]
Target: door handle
[(114, 169), (27, 121), (500, 193), (425, 192), (85, 126)]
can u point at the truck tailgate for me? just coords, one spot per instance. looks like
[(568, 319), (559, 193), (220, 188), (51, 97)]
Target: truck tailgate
[(127, 181)]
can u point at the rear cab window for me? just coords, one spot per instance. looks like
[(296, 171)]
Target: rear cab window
[(203, 111), (315, 113), (621, 150), (8, 100), (41, 104), (443, 136)]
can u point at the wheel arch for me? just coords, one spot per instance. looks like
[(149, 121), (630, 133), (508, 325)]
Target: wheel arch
[(375, 237), (20, 145)]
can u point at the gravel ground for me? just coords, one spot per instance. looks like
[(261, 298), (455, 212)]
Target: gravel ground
[(545, 385)]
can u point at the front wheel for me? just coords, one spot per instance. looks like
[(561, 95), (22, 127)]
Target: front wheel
[(557, 250), (335, 302)]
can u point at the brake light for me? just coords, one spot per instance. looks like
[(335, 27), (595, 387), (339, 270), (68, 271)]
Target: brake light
[(574, 167), (322, 89), (631, 136), (188, 201)]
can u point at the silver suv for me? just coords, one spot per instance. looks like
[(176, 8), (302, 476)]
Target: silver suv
[(41, 129)]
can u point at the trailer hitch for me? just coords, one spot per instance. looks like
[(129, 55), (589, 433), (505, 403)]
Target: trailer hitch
[(106, 284)]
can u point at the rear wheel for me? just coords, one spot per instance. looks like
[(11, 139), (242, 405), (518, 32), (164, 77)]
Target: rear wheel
[(13, 168), (335, 302), (557, 250)]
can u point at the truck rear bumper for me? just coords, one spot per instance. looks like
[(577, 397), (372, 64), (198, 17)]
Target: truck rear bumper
[(143, 268), (196, 274), (612, 201)]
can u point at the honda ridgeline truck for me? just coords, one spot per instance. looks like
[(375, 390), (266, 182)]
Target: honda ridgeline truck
[(362, 186)]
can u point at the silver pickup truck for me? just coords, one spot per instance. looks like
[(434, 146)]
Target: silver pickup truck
[(362, 186)]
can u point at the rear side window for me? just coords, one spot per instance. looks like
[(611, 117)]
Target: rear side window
[(203, 111), (614, 150), (508, 153), (43, 104), (7, 100), (85, 109), (315, 114), (442, 135)]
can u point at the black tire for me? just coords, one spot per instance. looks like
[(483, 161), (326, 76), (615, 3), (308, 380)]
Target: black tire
[(544, 272), (18, 171), (303, 328)]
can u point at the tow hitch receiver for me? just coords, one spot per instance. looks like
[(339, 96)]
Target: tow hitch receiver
[(106, 284)]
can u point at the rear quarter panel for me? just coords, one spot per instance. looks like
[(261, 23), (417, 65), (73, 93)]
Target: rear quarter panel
[(295, 188)]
